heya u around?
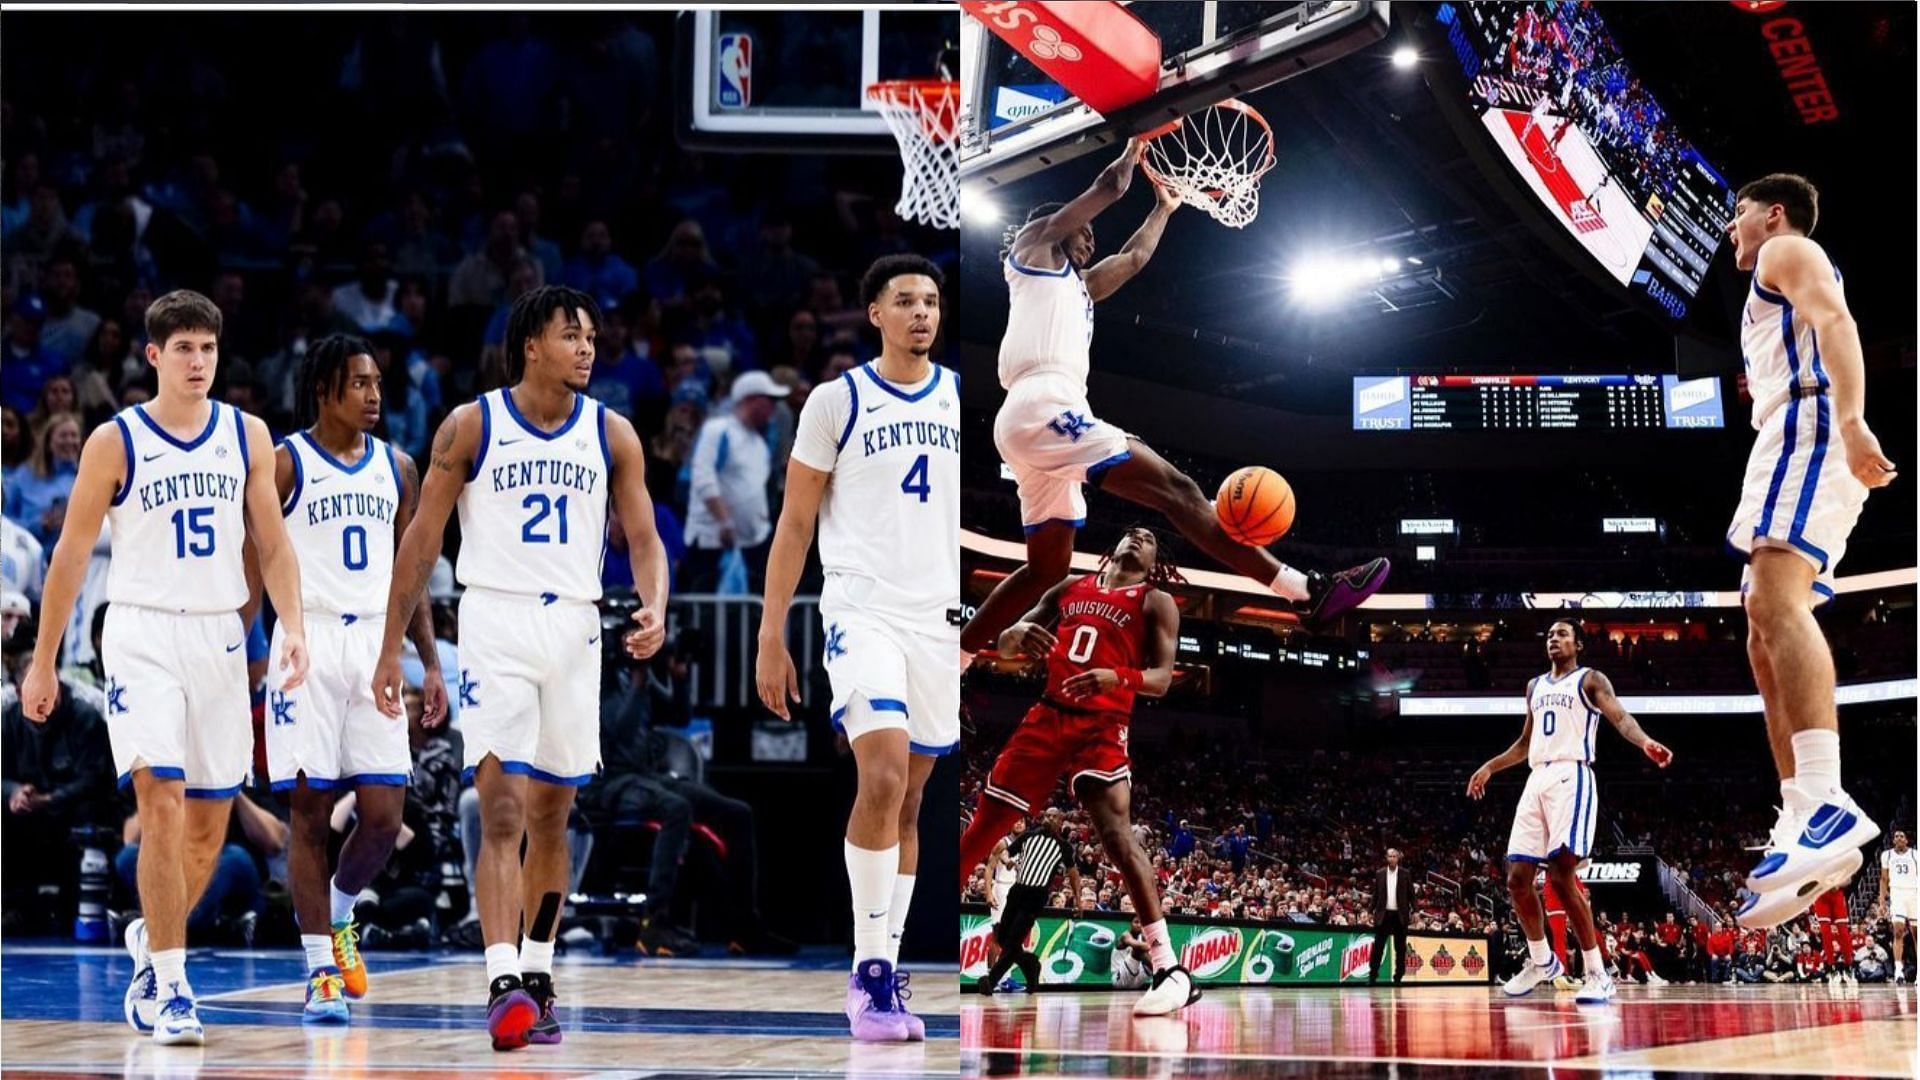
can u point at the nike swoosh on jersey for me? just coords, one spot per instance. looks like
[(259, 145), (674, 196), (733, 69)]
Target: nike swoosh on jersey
[(876, 408), (150, 457), (235, 646), (509, 442)]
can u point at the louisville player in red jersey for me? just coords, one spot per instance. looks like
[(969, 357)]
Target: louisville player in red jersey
[(1114, 640), (1836, 936)]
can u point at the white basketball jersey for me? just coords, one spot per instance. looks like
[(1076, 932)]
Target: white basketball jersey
[(1049, 324), (890, 517), (1563, 720), (1902, 867), (340, 519), (179, 519), (1781, 350), (533, 516), (1005, 874)]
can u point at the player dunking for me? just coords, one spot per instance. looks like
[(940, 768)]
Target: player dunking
[(180, 479), (1802, 494), (1899, 896), (876, 460), (1560, 805), (1047, 433), (1115, 640), (347, 498), (531, 468)]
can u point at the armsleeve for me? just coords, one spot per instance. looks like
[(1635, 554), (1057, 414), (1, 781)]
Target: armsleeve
[(825, 422)]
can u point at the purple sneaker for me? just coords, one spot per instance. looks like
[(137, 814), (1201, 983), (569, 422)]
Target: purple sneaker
[(546, 1030), (511, 1011), (1330, 596), (870, 1004), (916, 1027)]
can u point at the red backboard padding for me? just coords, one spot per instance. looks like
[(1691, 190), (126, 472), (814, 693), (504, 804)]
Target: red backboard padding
[(1097, 49)]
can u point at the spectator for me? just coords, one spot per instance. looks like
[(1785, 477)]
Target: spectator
[(625, 378), (231, 905), (56, 396), (526, 210), (732, 464), (481, 278), (419, 250), (16, 438), (57, 775), (46, 230), (368, 301), (597, 271), (23, 560), (104, 364), (776, 277), (1720, 942), (68, 326), (28, 364), (670, 274), (725, 343), (36, 494)]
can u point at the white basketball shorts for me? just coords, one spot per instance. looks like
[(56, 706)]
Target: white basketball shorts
[(177, 700), (1047, 434), (1558, 810), (529, 685), (1798, 493), (908, 679), (1901, 904), (328, 728)]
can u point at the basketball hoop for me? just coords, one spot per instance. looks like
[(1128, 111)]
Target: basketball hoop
[(1213, 160), (922, 114)]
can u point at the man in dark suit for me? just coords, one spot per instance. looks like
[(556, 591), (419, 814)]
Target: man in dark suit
[(1392, 906)]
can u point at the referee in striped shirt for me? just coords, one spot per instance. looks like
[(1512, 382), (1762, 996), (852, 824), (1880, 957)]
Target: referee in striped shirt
[(1038, 855)]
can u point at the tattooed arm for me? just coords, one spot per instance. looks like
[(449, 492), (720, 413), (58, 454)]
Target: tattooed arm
[(453, 449)]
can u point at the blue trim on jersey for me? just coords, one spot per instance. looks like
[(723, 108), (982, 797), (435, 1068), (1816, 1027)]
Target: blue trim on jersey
[(240, 427), (213, 421), (876, 704), (1098, 470), (214, 793), (1812, 481), (160, 772), (1593, 724), (1579, 791), (853, 409), (375, 779), (1767, 294), (1580, 687), (932, 384), (317, 783), (299, 479), (1035, 272), (126, 441), (1074, 522), (1823, 589), (606, 448), (393, 466), (486, 437), (1793, 347), (579, 406), (366, 453), (1780, 468), (1534, 859), (929, 750), (1819, 370)]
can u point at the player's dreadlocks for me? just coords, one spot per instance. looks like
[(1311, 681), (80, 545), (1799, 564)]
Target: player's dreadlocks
[(322, 373), (1164, 571), (531, 313)]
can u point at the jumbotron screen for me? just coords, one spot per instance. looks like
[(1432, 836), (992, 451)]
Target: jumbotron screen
[(1566, 110), (1569, 402)]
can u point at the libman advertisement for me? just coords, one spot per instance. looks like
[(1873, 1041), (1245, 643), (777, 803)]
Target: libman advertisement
[(1081, 952), (1447, 959)]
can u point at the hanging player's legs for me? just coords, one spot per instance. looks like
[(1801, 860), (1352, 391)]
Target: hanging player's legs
[(497, 886), (1597, 986), (545, 878), (872, 849), (1815, 842), (1110, 805), (1049, 559)]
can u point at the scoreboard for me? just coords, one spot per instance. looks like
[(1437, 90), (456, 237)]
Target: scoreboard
[(1529, 402)]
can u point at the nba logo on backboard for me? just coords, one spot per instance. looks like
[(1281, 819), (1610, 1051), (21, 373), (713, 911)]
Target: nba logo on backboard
[(733, 72)]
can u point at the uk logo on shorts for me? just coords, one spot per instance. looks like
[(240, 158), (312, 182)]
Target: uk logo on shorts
[(116, 697), (1071, 425), (468, 685), (836, 642), (282, 709)]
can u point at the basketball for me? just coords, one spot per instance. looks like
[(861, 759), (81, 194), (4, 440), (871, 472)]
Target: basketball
[(1255, 506)]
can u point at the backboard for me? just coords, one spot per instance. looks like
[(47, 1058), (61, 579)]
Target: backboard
[(778, 80), (1015, 120)]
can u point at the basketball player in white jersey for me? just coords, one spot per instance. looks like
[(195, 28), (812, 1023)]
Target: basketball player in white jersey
[(179, 479), (1900, 883), (1802, 493), (531, 468), (1048, 435), (1553, 825), (347, 498), (1000, 877), (876, 459)]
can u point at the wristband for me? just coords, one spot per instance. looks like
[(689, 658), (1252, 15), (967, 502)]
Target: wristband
[(1130, 677)]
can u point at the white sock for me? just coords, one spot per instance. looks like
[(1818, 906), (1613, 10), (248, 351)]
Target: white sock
[(897, 915), (1816, 761), (502, 959), (536, 957), (1539, 952), (319, 949), (1291, 583), (342, 903), (170, 973), (1159, 945), (870, 876), (1595, 965)]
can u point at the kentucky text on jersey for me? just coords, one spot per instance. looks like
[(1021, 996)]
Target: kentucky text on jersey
[(1087, 609), (543, 471), (350, 504), (909, 433), (193, 485), (1556, 701)]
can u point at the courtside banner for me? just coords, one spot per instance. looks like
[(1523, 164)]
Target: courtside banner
[(1454, 959), (1080, 952)]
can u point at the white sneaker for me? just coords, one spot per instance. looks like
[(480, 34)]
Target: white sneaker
[(142, 1000), (1654, 979), (1597, 990), (1531, 976), (178, 1022), (1809, 847), (1766, 910), (1172, 991)]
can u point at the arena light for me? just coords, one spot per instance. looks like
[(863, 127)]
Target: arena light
[(1405, 57), (980, 210), (1321, 280), (1650, 704)]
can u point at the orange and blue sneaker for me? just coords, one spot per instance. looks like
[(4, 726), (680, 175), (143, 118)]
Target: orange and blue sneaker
[(326, 998), (346, 954)]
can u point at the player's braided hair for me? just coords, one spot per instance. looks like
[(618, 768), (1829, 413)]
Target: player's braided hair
[(1012, 232), (322, 371), (1163, 573), (531, 313)]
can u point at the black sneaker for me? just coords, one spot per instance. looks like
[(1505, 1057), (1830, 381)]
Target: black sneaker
[(1330, 596), (511, 1012), (663, 940), (546, 1030)]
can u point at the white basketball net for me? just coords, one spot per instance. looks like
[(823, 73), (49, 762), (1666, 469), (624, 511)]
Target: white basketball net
[(922, 117), (1213, 160)]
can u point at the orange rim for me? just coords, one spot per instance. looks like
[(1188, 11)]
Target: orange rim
[(1225, 103)]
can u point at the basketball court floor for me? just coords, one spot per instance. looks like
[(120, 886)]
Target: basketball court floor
[(426, 1015), (1433, 1031)]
